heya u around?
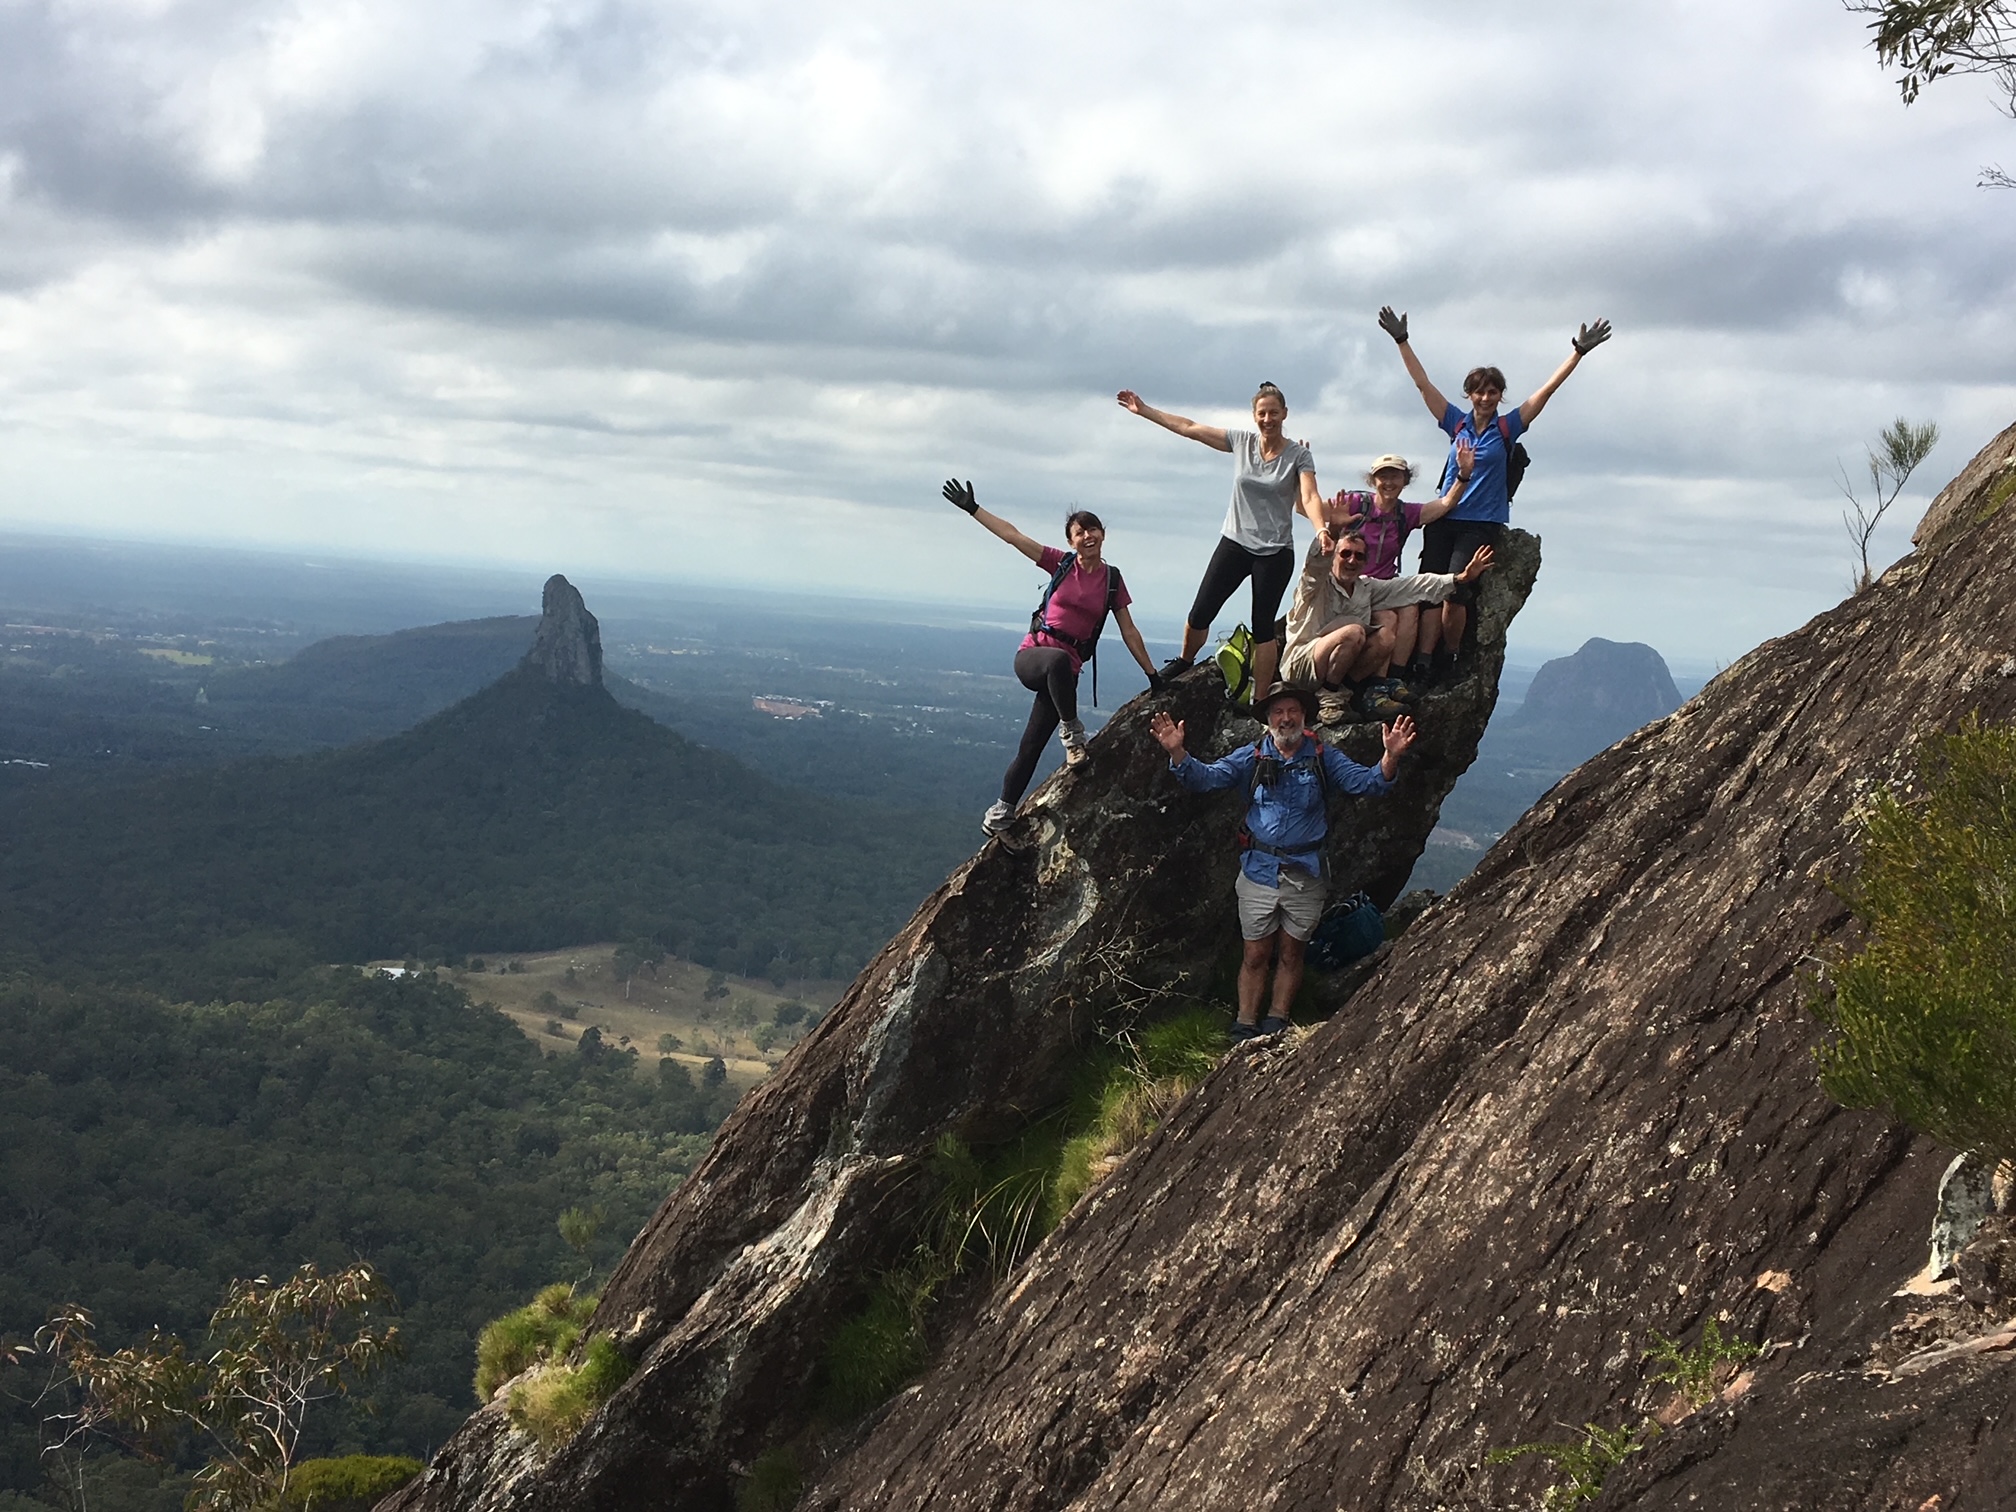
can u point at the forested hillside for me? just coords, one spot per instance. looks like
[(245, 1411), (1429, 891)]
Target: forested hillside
[(530, 816), (154, 1151)]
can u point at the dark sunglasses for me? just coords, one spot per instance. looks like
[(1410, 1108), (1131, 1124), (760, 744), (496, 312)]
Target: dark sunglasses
[(1350, 556)]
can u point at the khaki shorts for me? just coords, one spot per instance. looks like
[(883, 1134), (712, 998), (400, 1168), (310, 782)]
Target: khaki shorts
[(1296, 905), (1299, 668)]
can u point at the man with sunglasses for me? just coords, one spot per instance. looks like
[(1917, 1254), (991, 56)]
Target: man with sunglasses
[(1332, 640), (1283, 879)]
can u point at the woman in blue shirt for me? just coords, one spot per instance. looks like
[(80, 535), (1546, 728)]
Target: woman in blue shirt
[(1479, 520)]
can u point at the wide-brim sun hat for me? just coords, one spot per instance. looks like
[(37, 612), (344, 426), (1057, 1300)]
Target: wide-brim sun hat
[(1304, 696), (1389, 460)]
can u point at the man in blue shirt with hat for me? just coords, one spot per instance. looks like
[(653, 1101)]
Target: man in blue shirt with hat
[(1282, 880)]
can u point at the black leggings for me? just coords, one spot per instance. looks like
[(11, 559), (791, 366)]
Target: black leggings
[(1047, 672), (1232, 564)]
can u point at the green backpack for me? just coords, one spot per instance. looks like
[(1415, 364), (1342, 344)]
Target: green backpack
[(1235, 664)]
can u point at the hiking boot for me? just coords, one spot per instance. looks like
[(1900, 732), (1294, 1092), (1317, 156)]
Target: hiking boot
[(1072, 733), (1376, 703), (1240, 1033), (1333, 707), (1176, 666), (1420, 674), (997, 818), (1272, 1024), (1397, 689)]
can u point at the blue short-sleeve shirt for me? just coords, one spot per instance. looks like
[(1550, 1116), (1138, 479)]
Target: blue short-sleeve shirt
[(1485, 498)]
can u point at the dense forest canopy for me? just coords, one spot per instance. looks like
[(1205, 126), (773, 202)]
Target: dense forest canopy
[(156, 1150)]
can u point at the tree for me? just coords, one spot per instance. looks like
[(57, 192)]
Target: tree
[(1930, 39), (636, 956), (273, 1351), (1904, 446), (1924, 1012)]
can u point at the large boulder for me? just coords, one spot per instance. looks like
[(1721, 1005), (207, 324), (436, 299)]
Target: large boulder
[(1112, 885)]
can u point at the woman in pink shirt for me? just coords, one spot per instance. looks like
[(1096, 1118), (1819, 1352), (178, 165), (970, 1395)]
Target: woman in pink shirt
[(1063, 635)]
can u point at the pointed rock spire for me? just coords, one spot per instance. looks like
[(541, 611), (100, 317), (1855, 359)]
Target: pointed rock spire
[(568, 647)]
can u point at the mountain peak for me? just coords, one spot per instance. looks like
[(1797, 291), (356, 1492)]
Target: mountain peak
[(568, 646)]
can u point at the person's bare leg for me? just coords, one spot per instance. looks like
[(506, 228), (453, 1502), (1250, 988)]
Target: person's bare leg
[(1266, 659), (1406, 633), (1253, 976), (1431, 632), (1287, 972), (1375, 659), (1335, 652), (1455, 620), (1193, 640)]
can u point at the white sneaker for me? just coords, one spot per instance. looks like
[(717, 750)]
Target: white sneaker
[(1072, 733), (996, 818)]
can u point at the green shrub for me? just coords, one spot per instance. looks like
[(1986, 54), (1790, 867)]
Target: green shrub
[(1695, 1373), (554, 1401), (545, 1329), (1924, 1013), (354, 1483), (773, 1484), (1584, 1462)]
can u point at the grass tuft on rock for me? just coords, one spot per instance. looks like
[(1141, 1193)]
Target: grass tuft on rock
[(544, 1329), (353, 1483), (554, 1401)]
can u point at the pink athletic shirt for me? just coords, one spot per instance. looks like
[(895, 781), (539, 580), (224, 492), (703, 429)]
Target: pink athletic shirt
[(1078, 603)]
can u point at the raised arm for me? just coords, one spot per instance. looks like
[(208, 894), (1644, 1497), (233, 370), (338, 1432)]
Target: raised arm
[(1211, 435), (1312, 506), (961, 495), (1584, 341), (1466, 461), (1396, 327)]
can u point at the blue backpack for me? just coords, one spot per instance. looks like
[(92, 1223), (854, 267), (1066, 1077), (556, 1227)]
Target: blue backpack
[(1350, 930)]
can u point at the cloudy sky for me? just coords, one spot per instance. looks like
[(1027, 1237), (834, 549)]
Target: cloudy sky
[(723, 291)]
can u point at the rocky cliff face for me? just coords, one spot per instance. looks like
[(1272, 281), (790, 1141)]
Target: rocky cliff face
[(1112, 887), (567, 648), (1575, 1105)]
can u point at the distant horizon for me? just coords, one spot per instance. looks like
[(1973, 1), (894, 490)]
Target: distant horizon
[(620, 592)]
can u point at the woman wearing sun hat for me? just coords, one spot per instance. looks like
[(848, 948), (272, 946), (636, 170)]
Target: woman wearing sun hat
[(1385, 521)]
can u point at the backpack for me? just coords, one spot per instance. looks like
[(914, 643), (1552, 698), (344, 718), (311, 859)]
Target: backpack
[(1516, 459), (1246, 840), (1350, 929), (1235, 663), (1087, 649)]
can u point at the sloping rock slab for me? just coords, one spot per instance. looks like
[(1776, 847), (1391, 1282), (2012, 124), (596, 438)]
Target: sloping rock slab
[(1114, 887), (1574, 1105)]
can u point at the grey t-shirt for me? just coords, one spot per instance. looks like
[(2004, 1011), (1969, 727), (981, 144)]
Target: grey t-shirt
[(1265, 493)]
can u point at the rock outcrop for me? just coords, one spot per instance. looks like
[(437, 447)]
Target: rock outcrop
[(1112, 889), (1575, 1105), (567, 647)]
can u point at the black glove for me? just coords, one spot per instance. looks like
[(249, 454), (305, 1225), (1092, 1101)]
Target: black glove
[(1393, 325), (1591, 337), (961, 494)]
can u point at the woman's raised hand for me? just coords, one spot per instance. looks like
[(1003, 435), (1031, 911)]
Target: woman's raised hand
[(1393, 325), (961, 494), (1590, 337), (1130, 401)]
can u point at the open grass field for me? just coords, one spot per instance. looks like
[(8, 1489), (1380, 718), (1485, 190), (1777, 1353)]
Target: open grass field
[(555, 996)]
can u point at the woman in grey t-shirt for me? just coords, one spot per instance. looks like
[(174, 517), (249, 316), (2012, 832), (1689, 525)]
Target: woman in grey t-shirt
[(1271, 478)]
